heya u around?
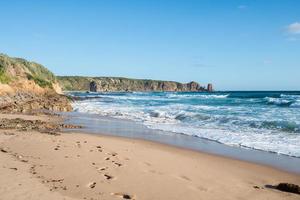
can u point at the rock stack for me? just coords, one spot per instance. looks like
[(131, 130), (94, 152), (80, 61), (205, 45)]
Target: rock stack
[(93, 86), (209, 87)]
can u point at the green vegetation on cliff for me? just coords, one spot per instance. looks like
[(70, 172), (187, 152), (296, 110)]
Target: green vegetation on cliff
[(79, 83), (4, 78), (14, 69)]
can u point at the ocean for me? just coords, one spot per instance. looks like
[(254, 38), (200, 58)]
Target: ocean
[(267, 121)]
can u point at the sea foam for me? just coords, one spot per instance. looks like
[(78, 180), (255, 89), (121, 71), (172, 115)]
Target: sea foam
[(267, 121)]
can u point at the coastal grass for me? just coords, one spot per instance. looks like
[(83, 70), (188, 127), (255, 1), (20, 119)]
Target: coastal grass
[(18, 68), (4, 78), (41, 82)]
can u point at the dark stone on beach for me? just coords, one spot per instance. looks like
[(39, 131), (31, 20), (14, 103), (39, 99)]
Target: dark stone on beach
[(288, 187), (126, 196)]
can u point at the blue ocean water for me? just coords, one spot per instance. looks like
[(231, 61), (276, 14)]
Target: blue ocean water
[(268, 121)]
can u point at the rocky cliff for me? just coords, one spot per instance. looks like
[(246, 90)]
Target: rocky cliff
[(26, 85), (24, 75), (78, 83)]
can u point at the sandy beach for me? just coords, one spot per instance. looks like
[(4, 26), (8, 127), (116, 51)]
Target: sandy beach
[(150, 100), (71, 165)]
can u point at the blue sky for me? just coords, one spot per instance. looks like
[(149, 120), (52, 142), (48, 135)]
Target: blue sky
[(236, 45)]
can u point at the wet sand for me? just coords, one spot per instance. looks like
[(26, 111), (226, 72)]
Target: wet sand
[(36, 165)]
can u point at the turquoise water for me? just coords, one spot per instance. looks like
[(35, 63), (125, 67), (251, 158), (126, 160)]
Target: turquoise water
[(268, 121)]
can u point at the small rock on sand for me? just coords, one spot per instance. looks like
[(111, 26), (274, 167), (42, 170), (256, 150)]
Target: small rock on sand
[(288, 187)]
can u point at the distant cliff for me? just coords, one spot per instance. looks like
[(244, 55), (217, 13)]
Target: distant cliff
[(79, 83)]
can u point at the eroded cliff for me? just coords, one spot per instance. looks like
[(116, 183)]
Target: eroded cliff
[(78, 83), (26, 85)]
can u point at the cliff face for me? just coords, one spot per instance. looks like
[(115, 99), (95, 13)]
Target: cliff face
[(26, 85), (20, 74), (99, 84)]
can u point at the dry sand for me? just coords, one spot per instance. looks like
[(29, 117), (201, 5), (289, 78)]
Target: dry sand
[(83, 166)]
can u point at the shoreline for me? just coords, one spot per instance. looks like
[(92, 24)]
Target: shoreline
[(163, 145), (99, 125), (87, 166), (186, 150)]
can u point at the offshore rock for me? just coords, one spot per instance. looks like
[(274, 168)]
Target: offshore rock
[(209, 87), (93, 86)]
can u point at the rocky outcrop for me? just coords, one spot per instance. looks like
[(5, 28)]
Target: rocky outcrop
[(209, 87), (37, 125), (23, 75), (28, 86), (93, 86), (103, 84), (34, 103)]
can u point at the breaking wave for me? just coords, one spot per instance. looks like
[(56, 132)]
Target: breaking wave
[(268, 121)]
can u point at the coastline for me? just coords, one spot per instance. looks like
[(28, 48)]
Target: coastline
[(184, 150), (80, 165), (97, 125)]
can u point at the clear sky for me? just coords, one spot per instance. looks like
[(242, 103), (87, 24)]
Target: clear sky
[(236, 45)]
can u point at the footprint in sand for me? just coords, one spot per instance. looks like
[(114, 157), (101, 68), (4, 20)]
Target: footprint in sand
[(112, 154), (3, 150), (199, 188), (123, 195), (99, 148), (154, 172), (108, 177), (184, 178), (92, 185), (146, 163), (118, 164), (32, 169), (102, 168)]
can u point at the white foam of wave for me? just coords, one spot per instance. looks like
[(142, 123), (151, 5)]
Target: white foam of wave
[(275, 142), (290, 96), (199, 95), (166, 118), (278, 101)]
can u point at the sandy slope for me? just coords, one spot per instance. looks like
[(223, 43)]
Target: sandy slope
[(82, 166)]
